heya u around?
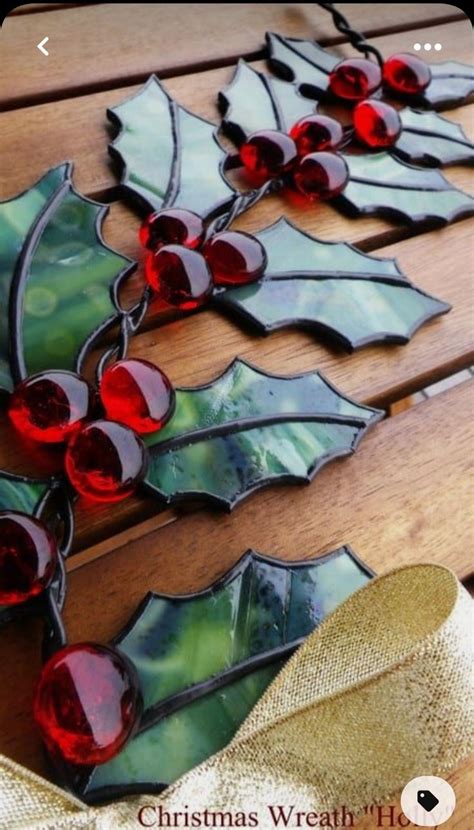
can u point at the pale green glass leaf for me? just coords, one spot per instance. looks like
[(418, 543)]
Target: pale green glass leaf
[(58, 279), (332, 287), (301, 61), (248, 429), (451, 84), (428, 138), (382, 184), (169, 157), (253, 101)]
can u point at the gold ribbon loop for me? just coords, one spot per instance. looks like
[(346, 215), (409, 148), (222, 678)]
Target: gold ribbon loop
[(378, 694)]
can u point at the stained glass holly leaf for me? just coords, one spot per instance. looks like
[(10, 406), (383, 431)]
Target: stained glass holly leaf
[(309, 65), (248, 429), (452, 83), (58, 279), (428, 138), (253, 101), (204, 660), (384, 185), (168, 156), (333, 288)]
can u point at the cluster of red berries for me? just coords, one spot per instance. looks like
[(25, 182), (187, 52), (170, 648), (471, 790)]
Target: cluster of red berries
[(182, 267), (307, 155)]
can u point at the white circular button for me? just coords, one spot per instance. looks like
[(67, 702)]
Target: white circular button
[(417, 47), (428, 801)]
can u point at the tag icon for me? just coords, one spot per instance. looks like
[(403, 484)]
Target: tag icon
[(428, 801)]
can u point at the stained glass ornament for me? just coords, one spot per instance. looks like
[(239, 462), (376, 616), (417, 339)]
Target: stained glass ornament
[(172, 226), (28, 557), (406, 74), (316, 132), (138, 394), (180, 277), (376, 123), (235, 258), (50, 406), (105, 461), (87, 703), (321, 176), (354, 79)]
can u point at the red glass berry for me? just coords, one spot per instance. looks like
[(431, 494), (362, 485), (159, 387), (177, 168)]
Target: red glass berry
[(268, 153), (321, 176), (355, 78), (406, 74), (28, 557), (235, 258), (172, 226), (376, 123), (180, 277), (87, 703), (105, 461), (50, 406), (138, 394), (316, 132)]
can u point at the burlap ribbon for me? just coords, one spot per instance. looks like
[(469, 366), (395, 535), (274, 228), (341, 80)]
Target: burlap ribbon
[(379, 694)]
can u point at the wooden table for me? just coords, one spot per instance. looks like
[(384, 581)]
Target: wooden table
[(407, 495)]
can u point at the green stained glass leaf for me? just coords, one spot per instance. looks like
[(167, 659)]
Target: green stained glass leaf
[(301, 61), (248, 429), (428, 138), (205, 659), (451, 84), (384, 185), (309, 65), (253, 101), (168, 156), (58, 279), (332, 287)]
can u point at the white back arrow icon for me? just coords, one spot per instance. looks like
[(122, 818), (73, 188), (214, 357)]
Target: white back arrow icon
[(40, 46)]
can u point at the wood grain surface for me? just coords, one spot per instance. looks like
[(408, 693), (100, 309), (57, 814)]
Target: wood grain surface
[(407, 494)]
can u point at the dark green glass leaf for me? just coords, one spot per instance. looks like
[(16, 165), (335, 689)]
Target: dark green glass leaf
[(334, 288), (451, 84), (169, 157), (21, 493), (248, 429), (301, 61), (58, 279), (253, 101), (382, 184), (205, 659), (428, 138)]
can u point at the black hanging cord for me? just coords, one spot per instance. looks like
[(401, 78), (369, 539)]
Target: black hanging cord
[(357, 39)]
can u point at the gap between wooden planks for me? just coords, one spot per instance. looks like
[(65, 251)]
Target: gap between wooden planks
[(78, 129), (405, 498), (99, 46)]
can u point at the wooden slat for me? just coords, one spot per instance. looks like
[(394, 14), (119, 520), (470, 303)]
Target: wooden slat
[(101, 45), (404, 498), (376, 375), (34, 8), (78, 129)]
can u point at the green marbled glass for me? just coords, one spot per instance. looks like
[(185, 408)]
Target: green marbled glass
[(428, 138), (176, 643)]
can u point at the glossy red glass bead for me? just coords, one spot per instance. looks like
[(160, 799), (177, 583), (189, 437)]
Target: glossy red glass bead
[(268, 153), (28, 557), (235, 258), (105, 461), (355, 79), (180, 277), (50, 406), (87, 703), (314, 133), (321, 176), (376, 123), (406, 74), (138, 394), (172, 226)]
